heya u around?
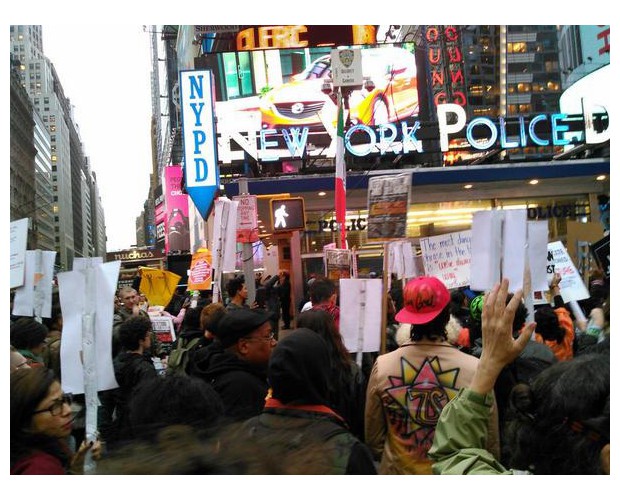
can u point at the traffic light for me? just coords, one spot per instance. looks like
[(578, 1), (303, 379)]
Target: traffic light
[(287, 214)]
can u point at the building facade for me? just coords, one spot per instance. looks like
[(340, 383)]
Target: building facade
[(510, 73), (74, 210)]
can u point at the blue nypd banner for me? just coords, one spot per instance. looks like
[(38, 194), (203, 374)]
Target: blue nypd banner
[(201, 171)]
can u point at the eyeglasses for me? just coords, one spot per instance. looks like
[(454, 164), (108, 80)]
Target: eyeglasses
[(56, 407), (271, 337)]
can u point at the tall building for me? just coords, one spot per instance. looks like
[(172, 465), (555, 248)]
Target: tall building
[(22, 153), (44, 202), (71, 202)]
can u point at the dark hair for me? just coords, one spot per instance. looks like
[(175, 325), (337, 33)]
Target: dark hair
[(323, 323), (174, 400), (321, 290), (28, 389), (210, 316), (27, 333), (520, 314), (562, 419), (434, 329), (132, 330), (191, 320), (548, 324), (234, 286)]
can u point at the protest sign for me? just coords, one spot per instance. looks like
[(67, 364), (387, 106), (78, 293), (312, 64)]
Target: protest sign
[(447, 257), (388, 202), (19, 238), (361, 325)]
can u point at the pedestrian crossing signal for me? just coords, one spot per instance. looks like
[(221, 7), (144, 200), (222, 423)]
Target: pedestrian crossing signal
[(287, 214)]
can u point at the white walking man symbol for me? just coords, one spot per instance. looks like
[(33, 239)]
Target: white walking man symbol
[(280, 215)]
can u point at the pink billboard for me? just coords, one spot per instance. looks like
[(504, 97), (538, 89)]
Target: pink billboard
[(175, 211)]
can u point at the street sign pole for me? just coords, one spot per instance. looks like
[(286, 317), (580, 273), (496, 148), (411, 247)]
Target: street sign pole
[(248, 255)]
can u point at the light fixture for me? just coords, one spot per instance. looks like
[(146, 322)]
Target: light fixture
[(468, 186), (533, 182), (322, 193), (601, 178)]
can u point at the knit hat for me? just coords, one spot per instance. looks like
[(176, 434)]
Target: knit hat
[(424, 298), (475, 308)]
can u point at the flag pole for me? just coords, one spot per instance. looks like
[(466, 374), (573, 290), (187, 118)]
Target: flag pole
[(340, 191)]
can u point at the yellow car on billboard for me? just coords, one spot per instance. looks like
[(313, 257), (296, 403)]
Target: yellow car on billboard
[(389, 92)]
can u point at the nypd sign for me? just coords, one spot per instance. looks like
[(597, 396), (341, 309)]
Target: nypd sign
[(201, 171)]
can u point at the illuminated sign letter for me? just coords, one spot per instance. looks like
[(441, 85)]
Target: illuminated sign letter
[(409, 138), (363, 151), (537, 140), (592, 136), (558, 129), (481, 144), (296, 140), (502, 135), (432, 34), (444, 127), (264, 143), (385, 142)]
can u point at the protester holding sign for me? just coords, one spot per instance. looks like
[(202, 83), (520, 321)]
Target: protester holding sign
[(41, 422)]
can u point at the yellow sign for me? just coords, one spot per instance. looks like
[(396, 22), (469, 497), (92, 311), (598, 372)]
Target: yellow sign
[(158, 285)]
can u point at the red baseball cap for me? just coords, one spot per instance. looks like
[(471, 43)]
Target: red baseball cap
[(424, 297)]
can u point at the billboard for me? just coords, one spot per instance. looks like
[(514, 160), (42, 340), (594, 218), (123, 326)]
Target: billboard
[(176, 211), (281, 105)]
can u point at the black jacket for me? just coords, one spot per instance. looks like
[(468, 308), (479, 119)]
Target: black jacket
[(242, 386), (130, 369), (308, 442), (298, 428)]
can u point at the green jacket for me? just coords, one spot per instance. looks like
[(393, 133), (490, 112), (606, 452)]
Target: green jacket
[(460, 435)]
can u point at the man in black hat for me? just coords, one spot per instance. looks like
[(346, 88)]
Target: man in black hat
[(236, 364)]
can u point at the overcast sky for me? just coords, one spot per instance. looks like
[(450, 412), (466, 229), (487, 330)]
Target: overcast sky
[(106, 75)]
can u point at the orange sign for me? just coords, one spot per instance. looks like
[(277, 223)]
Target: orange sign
[(200, 271)]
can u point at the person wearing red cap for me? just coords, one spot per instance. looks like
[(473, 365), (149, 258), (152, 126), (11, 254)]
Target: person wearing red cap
[(409, 386)]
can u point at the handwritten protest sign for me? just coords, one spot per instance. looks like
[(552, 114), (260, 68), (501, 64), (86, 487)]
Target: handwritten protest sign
[(572, 287), (447, 257)]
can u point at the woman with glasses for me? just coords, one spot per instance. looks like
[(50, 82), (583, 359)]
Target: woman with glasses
[(41, 423)]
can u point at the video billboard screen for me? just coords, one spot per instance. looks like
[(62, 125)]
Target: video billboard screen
[(278, 105)]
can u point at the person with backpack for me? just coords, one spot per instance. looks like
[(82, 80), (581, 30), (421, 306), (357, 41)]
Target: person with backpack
[(191, 338), (297, 427)]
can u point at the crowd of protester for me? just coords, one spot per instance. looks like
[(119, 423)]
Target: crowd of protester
[(467, 385)]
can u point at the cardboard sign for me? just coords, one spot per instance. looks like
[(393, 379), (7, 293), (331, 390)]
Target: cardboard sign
[(447, 257), (163, 328), (388, 202), (572, 287), (19, 237), (338, 263), (35, 296), (361, 325)]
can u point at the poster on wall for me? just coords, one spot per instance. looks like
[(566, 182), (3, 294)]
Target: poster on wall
[(176, 211), (388, 202)]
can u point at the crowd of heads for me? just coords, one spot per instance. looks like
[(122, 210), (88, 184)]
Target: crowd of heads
[(180, 424)]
